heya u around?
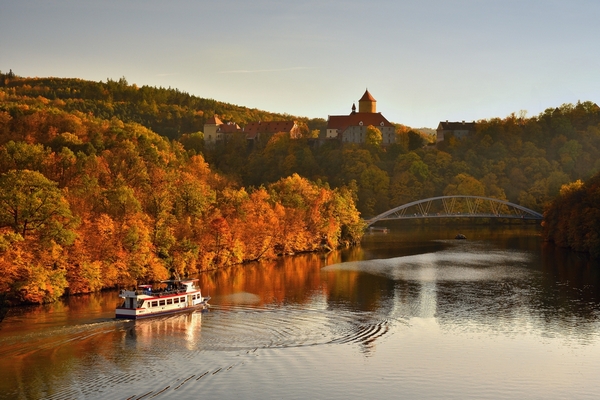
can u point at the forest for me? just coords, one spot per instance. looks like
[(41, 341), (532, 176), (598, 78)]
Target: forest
[(105, 183), (518, 159), (572, 219), (88, 203)]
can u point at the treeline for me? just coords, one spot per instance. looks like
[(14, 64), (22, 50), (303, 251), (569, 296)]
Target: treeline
[(572, 220), (519, 159), (93, 197), (167, 111), (88, 203)]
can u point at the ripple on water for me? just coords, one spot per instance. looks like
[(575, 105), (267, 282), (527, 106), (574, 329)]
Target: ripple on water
[(290, 327), (210, 344)]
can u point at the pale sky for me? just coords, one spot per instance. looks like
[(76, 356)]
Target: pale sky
[(423, 61)]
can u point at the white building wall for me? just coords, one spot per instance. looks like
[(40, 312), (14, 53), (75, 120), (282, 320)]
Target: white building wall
[(332, 133), (211, 134)]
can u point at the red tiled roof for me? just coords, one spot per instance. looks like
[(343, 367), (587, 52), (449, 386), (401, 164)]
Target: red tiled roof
[(214, 120), (254, 128), (342, 122), (230, 127)]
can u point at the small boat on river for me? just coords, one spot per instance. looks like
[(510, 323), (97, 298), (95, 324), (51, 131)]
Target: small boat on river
[(177, 296)]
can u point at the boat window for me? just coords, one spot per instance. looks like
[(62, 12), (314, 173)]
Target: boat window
[(161, 303), (182, 299), (169, 301), (176, 300), (155, 304)]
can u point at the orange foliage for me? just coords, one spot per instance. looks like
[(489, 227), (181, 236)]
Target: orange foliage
[(140, 208)]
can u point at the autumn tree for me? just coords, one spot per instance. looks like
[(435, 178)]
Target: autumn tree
[(373, 136), (31, 203), (464, 185)]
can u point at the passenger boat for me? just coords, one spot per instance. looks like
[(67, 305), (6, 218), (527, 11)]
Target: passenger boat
[(177, 296)]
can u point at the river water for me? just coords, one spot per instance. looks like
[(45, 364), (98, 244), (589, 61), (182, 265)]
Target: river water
[(408, 314)]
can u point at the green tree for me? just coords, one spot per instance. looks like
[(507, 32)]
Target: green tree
[(415, 140), (29, 202), (373, 136)]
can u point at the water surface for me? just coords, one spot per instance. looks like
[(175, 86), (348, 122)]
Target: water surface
[(411, 314)]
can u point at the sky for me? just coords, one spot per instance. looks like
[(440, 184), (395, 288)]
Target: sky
[(423, 61)]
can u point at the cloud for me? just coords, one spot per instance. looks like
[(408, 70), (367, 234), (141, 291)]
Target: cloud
[(161, 75), (248, 71)]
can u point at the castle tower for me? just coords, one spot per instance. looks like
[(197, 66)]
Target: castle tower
[(211, 129), (367, 104)]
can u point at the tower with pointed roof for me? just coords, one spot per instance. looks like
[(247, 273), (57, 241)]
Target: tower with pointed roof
[(367, 103), (211, 129), (215, 130)]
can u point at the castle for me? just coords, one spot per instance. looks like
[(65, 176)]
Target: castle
[(352, 128)]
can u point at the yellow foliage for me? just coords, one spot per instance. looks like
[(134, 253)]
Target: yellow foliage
[(570, 187)]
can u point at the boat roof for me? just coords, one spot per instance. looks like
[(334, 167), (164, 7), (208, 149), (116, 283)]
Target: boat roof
[(184, 281), (145, 286)]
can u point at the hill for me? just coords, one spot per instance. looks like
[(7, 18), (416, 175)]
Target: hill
[(90, 201), (166, 111), (105, 184), (523, 160)]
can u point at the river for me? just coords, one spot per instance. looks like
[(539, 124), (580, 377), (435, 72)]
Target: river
[(408, 314)]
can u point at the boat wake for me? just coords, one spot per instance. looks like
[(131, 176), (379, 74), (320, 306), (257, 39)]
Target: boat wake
[(20, 344), (265, 328)]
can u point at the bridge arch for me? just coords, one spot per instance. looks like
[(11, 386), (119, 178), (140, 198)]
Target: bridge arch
[(457, 207)]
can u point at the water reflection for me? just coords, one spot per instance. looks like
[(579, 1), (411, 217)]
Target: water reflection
[(146, 335), (497, 284)]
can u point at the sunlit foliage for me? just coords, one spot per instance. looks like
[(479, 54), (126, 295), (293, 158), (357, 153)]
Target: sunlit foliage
[(107, 183)]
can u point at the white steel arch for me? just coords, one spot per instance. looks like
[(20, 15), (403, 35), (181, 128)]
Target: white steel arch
[(457, 207)]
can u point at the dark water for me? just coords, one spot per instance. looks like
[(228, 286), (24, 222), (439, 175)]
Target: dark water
[(410, 314)]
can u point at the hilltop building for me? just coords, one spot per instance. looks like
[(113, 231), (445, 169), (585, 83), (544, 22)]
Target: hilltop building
[(459, 130), (254, 130), (352, 128), (215, 130)]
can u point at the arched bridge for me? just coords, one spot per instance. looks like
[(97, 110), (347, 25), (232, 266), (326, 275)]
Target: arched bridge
[(457, 207)]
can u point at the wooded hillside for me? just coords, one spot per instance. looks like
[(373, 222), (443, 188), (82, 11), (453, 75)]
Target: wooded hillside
[(88, 203), (519, 159), (573, 219), (105, 184)]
